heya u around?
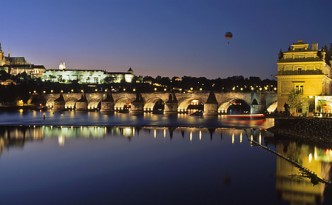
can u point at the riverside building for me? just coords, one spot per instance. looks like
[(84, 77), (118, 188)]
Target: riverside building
[(303, 68)]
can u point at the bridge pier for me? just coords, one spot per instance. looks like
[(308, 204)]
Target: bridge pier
[(138, 104), (82, 104), (59, 104), (258, 103), (107, 105), (211, 105), (171, 105)]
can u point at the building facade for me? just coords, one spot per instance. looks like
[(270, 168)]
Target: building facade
[(86, 76), (18, 65), (303, 69)]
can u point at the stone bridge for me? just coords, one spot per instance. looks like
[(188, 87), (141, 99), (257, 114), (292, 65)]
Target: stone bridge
[(218, 103)]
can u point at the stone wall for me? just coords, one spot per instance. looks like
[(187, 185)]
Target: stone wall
[(316, 131)]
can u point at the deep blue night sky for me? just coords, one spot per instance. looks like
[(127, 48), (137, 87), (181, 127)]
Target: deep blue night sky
[(162, 37)]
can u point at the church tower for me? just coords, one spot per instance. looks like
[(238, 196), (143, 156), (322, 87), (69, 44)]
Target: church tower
[(2, 57), (303, 69)]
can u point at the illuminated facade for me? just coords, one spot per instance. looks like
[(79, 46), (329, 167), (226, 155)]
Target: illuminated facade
[(18, 65), (64, 75), (304, 69)]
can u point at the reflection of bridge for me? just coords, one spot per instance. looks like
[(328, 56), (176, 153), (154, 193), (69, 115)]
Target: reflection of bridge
[(212, 103)]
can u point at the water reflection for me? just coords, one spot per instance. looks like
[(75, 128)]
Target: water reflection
[(296, 185), (296, 164), (21, 134)]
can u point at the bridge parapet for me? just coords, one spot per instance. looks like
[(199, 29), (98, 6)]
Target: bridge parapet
[(257, 101)]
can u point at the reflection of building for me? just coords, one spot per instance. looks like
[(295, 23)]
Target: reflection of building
[(304, 69), (290, 184)]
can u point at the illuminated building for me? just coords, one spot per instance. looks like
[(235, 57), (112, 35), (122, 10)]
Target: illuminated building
[(18, 65), (63, 75), (303, 69)]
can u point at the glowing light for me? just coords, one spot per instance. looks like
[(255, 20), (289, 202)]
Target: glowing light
[(310, 157), (200, 135), (61, 140), (191, 136), (241, 137), (233, 138), (154, 133)]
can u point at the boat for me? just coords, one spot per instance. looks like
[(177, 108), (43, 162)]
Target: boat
[(246, 116)]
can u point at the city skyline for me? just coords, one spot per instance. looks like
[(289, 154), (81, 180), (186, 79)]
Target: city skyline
[(167, 38)]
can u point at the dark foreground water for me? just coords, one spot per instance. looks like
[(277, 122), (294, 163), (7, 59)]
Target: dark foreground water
[(95, 158)]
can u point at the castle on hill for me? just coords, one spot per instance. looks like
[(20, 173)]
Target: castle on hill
[(19, 65)]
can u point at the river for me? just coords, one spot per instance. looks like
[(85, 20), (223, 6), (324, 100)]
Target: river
[(101, 158)]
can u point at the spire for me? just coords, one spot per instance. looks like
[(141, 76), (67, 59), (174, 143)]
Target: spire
[(8, 52), (0, 47)]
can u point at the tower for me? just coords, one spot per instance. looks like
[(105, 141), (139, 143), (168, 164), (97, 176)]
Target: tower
[(2, 57), (302, 69)]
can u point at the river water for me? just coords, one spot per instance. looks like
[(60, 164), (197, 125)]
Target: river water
[(100, 158)]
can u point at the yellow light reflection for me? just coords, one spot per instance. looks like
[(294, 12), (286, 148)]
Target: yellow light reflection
[(61, 141), (310, 157)]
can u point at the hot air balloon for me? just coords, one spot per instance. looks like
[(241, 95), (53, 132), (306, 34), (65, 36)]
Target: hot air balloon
[(228, 36)]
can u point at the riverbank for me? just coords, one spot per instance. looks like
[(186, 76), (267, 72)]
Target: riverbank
[(316, 131)]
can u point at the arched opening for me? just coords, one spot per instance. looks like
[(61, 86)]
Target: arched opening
[(238, 106), (234, 106), (70, 103), (154, 105), (122, 105), (94, 105), (195, 106), (158, 107)]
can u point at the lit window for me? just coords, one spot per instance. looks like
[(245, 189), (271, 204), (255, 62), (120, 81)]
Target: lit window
[(299, 70)]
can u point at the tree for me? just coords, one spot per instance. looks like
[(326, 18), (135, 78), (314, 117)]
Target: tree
[(296, 101)]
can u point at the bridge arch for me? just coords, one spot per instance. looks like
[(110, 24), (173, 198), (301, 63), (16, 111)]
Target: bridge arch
[(194, 103), (234, 106), (94, 104), (154, 104), (70, 103), (122, 103)]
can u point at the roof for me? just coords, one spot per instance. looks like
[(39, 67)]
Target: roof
[(16, 60), (212, 99)]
